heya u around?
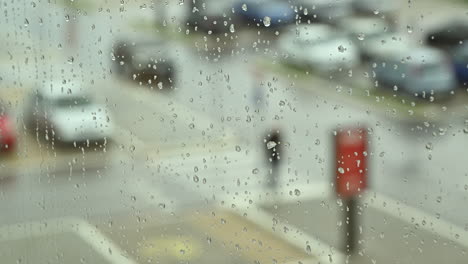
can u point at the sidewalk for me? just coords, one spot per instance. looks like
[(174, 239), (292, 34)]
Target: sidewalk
[(383, 237)]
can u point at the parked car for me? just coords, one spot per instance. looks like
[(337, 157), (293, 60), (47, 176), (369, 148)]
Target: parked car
[(327, 11), (459, 57), (318, 46), (363, 30), (7, 132), (67, 113), (144, 60), (415, 70), (389, 43), (265, 13), (211, 16), (388, 7), (449, 35)]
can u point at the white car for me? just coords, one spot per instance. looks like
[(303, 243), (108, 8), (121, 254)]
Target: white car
[(323, 10), (389, 43), (318, 46), (66, 113), (363, 30), (376, 6)]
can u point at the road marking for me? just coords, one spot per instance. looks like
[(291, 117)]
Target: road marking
[(413, 216), (179, 247), (247, 238), (375, 200), (83, 229), (100, 242), (322, 251)]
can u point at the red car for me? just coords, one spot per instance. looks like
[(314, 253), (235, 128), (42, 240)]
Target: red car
[(7, 133)]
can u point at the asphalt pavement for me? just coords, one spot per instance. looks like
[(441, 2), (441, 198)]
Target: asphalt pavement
[(380, 237)]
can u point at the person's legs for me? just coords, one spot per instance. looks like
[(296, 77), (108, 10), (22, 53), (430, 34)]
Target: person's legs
[(273, 175)]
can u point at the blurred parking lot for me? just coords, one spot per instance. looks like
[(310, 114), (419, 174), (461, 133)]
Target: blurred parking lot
[(140, 131)]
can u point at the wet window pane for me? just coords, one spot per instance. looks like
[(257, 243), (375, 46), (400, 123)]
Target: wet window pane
[(243, 131)]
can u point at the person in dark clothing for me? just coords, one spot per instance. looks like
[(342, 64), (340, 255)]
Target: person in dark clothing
[(272, 146)]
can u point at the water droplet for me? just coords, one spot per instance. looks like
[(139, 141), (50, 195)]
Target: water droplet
[(409, 29), (341, 48), (231, 28), (195, 169), (238, 148), (297, 192), (255, 171), (465, 130), (244, 7), (439, 199), (361, 36), (429, 146), (133, 197), (317, 142), (208, 239), (192, 126), (341, 170), (162, 205), (308, 249), (195, 178), (267, 21), (271, 144)]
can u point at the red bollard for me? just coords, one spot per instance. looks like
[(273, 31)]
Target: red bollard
[(351, 145)]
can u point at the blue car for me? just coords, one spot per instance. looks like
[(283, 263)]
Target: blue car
[(265, 13), (460, 62)]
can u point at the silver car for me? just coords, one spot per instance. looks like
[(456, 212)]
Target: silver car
[(419, 71)]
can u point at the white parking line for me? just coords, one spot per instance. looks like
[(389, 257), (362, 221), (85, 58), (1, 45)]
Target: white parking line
[(319, 249), (327, 253), (101, 243), (413, 215), (91, 235)]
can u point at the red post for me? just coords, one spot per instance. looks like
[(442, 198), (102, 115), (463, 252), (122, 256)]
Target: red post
[(351, 161), (351, 177)]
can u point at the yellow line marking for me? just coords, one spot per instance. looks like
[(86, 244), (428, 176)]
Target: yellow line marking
[(247, 238), (179, 247)]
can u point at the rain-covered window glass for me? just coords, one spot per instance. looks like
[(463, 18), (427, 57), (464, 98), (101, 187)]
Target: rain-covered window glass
[(237, 131)]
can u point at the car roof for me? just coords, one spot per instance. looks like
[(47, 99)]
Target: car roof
[(389, 45), (425, 55), (312, 32), (411, 53), (58, 89), (364, 25), (139, 39)]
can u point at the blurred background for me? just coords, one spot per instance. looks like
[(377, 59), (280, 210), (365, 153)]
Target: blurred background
[(242, 131)]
